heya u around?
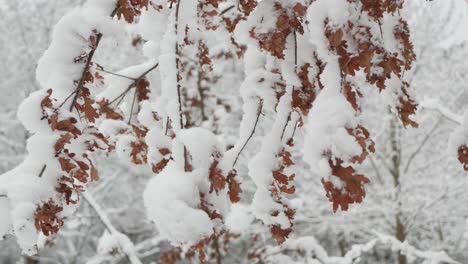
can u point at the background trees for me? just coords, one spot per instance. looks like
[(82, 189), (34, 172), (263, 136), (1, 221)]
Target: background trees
[(397, 202)]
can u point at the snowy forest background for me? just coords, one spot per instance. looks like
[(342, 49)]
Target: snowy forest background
[(417, 191)]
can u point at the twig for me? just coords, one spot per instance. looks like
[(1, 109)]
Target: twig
[(83, 75), (377, 171), (426, 138), (226, 10), (447, 113), (286, 125), (292, 93), (179, 97), (133, 105), (259, 111), (133, 84), (78, 89), (116, 74), (176, 28), (128, 248), (42, 171)]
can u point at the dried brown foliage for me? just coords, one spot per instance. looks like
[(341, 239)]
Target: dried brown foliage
[(463, 156)]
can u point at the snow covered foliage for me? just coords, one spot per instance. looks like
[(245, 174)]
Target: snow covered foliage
[(291, 77)]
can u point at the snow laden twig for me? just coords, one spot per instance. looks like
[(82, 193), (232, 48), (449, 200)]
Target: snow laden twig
[(434, 104), (125, 244)]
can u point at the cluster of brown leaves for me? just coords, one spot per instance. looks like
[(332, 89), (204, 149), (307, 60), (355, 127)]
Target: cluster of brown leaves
[(158, 167), (129, 9), (377, 70), (353, 189), (281, 185), (139, 152), (286, 22), (107, 111), (362, 137), (218, 182), (77, 168), (246, 7), (85, 105), (377, 8), (142, 90), (378, 66), (303, 97), (208, 12), (204, 59), (406, 107), (47, 219)]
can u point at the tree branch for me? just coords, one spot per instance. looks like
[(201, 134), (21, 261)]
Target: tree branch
[(126, 246), (259, 112), (89, 60), (116, 74), (133, 84), (433, 104), (426, 138)]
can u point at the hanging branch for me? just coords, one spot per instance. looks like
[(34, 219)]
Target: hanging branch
[(88, 65), (259, 112), (177, 53)]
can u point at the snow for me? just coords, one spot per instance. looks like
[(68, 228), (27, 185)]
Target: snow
[(156, 140), (337, 13), (239, 219), (30, 113), (56, 69), (201, 144), (24, 190), (325, 131), (170, 199), (151, 27), (174, 198)]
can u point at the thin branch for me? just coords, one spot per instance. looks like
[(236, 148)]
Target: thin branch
[(133, 84), (447, 113), (133, 105), (292, 93), (418, 150), (128, 247), (294, 130), (377, 171), (384, 164), (410, 222), (42, 171), (167, 126), (286, 125), (187, 166), (202, 97), (89, 60), (226, 10), (259, 112), (83, 74), (176, 28), (116, 74)]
